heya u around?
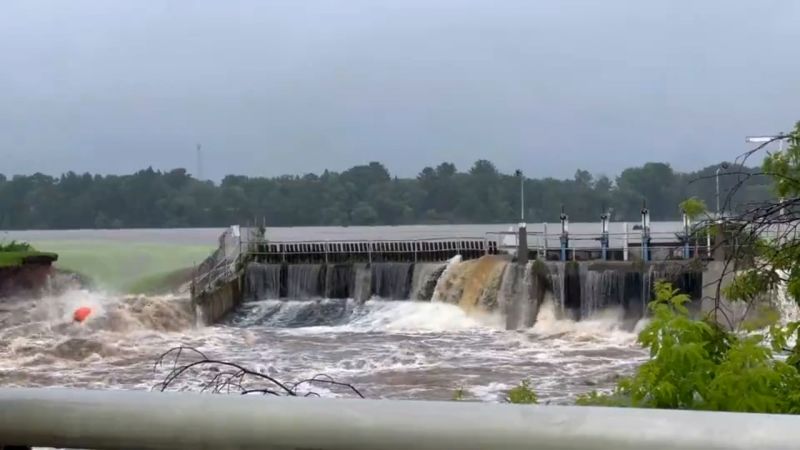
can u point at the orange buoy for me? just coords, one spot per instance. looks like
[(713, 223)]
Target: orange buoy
[(81, 313)]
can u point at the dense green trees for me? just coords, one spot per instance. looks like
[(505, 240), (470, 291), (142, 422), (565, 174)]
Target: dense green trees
[(362, 195)]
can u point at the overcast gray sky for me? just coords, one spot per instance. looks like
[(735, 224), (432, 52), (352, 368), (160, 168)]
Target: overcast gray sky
[(273, 87)]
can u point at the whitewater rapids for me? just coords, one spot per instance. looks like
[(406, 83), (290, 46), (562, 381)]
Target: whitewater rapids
[(388, 349)]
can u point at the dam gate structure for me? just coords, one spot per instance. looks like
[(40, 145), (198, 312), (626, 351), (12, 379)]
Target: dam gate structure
[(492, 272)]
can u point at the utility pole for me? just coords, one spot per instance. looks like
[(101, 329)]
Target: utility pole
[(199, 162)]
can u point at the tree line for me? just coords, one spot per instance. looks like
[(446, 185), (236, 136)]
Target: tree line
[(362, 195)]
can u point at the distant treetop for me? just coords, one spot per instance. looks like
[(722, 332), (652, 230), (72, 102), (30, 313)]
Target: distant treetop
[(362, 195)]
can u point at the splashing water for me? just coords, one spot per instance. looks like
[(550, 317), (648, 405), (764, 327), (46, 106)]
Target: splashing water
[(606, 323), (786, 306), (410, 317), (394, 349)]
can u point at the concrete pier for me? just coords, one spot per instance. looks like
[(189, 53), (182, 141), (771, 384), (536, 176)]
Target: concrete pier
[(213, 305)]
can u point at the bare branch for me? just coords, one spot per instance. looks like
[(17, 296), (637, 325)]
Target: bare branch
[(231, 377)]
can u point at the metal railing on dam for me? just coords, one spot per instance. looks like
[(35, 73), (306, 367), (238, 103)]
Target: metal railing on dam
[(73, 418), (640, 243), (611, 246), (623, 246), (369, 251)]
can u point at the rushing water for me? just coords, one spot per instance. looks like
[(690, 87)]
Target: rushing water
[(386, 348), (396, 349)]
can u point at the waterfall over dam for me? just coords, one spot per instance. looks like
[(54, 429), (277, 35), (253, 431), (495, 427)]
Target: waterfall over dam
[(490, 284), (479, 275)]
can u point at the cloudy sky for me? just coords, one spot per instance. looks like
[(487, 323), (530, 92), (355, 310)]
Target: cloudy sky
[(273, 87)]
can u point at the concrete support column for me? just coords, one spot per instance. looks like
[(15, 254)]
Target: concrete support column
[(604, 236), (645, 234), (522, 245), (564, 235)]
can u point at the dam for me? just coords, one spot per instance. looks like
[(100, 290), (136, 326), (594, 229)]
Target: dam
[(511, 274), (427, 327)]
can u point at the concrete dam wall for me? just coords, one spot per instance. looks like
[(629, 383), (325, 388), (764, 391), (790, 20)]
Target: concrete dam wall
[(578, 290), (479, 275)]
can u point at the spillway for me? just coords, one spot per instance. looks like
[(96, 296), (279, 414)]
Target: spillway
[(490, 284)]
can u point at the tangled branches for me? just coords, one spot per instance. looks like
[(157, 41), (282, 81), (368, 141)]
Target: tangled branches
[(759, 241), (217, 376)]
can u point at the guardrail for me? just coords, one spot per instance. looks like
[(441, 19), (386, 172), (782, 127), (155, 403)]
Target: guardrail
[(619, 245), (220, 266), (73, 418), (237, 242), (375, 250), (223, 271)]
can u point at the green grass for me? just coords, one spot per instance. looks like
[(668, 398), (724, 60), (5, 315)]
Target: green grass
[(16, 258), (162, 282), (125, 266), (9, 259)]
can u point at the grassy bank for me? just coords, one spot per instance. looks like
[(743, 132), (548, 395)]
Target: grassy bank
[(16, 253), (17, 258)]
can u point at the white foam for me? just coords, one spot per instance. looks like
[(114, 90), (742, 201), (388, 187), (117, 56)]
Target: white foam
[(416, 317), (605, 325), (60, 308), (493, 392), (400, 349)]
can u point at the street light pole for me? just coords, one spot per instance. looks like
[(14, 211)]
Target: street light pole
[(722, 166), (764, 140), (521, 196), (522, 199), (717, 179)]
